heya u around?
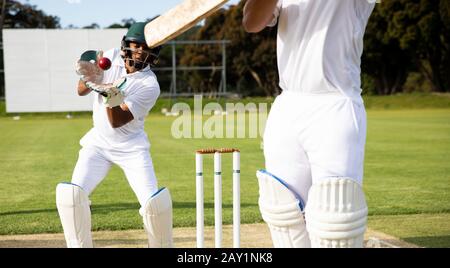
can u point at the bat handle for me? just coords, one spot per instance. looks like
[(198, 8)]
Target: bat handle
[(104, 94), (100, 92)]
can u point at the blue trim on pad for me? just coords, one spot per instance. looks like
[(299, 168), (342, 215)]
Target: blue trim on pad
[(73, 184), (159, 191), (301, 203)]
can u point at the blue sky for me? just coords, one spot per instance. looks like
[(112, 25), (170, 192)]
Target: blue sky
[(103, 12)]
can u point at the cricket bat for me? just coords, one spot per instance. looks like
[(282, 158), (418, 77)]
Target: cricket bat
[(179, 19)]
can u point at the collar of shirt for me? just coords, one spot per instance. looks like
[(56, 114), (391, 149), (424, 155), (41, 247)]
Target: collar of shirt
[(121, 63), (146, 69)]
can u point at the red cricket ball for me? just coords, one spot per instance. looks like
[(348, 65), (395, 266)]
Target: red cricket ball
[(104, 63)]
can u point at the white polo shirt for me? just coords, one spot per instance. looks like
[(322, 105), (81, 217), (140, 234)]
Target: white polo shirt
[(320, 43), (141, 92)]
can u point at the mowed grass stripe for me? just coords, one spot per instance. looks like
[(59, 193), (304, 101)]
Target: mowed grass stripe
[(406, 171), (406, 167)]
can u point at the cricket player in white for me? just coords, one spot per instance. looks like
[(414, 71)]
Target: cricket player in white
[(311, 191), (129, 90)]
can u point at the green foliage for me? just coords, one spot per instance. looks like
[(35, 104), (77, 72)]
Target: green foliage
[(126, 23), (406, 49), (416, 82), (384, 64), (251, 58), (406, 42), (409, 36), (92, 26), (368, 85), (24, 15)]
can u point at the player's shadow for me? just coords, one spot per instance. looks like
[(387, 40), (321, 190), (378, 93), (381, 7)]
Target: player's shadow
[(176, 205), (98, 208), (108, 208), (193, 205), (430, 241), (21, 212)]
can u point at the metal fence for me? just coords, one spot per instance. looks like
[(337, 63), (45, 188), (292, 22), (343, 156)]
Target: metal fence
[(174, 86)]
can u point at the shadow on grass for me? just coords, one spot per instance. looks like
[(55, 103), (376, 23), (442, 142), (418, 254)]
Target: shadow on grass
[(101, 208), (397, 211), (108, 208), (430, 241), (193, 205)]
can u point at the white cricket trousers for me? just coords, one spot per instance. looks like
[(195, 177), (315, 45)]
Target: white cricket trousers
[(313, 137), (94, 164)]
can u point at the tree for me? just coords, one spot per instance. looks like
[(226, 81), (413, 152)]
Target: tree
[(18, 15), (419, 28), (254, 59), (126, 23), (92, 26), (383, 59), (252, 64), (204, 55), (3, 12)]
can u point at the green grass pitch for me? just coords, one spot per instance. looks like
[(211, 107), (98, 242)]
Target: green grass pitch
[(407, 175)]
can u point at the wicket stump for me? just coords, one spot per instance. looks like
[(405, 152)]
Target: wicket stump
[(218, 196)]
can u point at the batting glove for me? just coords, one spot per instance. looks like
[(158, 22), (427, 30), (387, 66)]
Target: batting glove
[(87, 67), (112, 94)]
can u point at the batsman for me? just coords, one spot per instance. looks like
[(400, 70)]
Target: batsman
[(311, 191), (127, 92)]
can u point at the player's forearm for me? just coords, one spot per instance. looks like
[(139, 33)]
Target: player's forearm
[(119, 116), (257, 14), (83, 90)]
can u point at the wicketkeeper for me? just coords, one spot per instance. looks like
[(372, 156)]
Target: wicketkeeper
[(311, 191), (127, 92)]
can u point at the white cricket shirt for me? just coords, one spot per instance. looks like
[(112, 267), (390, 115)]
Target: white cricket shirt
[(141, 92), (320, 43)]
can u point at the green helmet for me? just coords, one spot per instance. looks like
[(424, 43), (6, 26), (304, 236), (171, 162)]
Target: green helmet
[(136, 33)]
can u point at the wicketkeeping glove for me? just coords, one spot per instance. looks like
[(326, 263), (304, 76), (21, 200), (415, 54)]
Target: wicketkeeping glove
[(112, 93), (87, 67)]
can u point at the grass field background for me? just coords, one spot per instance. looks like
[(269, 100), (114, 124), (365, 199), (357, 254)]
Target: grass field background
[(407, 171)]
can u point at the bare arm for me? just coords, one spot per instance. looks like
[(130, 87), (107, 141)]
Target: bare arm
[(257, 14), (119, 116), (82, 89)]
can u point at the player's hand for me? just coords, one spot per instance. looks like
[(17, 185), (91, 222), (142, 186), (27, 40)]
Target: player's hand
[(113, 94), (87, 67)]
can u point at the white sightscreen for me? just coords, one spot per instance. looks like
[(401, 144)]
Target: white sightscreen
[(40, 67)]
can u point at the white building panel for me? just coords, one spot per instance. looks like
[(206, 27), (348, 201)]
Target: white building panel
[(40, 67)]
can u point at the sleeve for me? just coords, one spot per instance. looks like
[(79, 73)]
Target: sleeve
[(364, 8), (276, 14), (111, 53), (141, 102), (108, 75)]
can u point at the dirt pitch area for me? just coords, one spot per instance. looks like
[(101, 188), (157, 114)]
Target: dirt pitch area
[(252, 236)]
